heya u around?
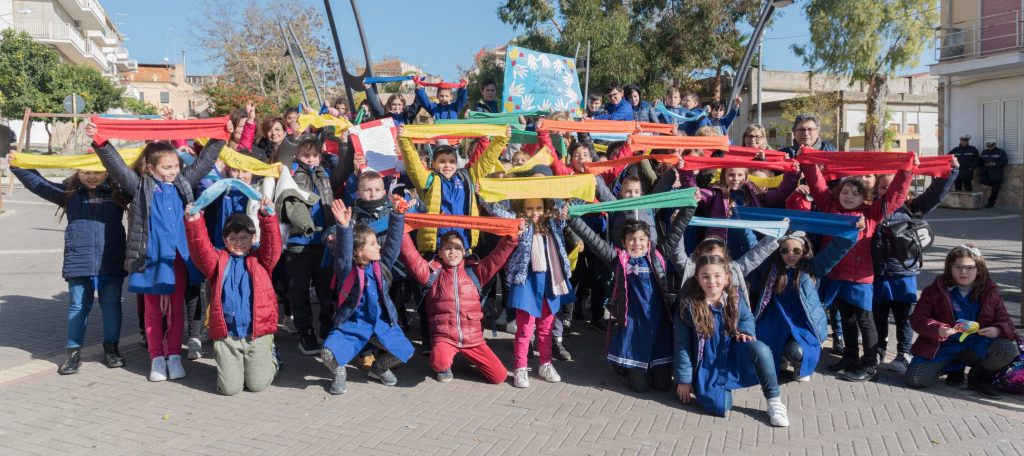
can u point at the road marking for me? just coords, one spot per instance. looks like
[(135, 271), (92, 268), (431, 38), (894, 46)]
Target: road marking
[(971, 219), (27, 252)]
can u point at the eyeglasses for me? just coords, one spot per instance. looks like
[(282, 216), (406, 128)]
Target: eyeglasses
[(806, 130), (794, 251), (755, 136), (966, 268)]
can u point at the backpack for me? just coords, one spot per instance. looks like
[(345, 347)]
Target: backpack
[(1011, 378), (906, 240)]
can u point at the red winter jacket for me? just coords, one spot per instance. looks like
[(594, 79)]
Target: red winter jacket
[(455, 319), (260, 264), (857, 266), (935, 311)]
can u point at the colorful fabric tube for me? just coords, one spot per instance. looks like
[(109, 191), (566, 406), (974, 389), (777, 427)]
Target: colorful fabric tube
[(652, 127), (600, 167), (589, 126), (381, 79), (765, 227), (760, 182), (520, 136), (809, 222), (610, 137), (565, 187), (542, 157), (858, 163), (218, 188), (453, 131), (480, 121), (934, 166), (694, 163), (679, 142), (84, 162), (141, 130), (439, 85), (677, 117), (340, 124), (495, 225), (238, 160), (672, 199), (502, 115), (740, 151)]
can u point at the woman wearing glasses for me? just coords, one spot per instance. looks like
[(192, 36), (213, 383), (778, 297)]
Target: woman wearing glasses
[(964, 291), (790, 317)]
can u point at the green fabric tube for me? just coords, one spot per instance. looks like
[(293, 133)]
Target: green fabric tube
[(673, 199)]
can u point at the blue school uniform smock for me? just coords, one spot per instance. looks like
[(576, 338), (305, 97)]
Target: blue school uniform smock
[(166, 241), (858, 295), (964, 308), (645, 341), (236, 299), (724, 366), (786, 318), (231, 202), (537, 292), (895, 288), (365, 323)]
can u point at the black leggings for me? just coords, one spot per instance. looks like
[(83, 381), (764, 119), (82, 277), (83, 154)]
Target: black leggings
[(858, 321)]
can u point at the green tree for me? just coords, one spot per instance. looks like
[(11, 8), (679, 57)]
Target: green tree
[(247, 42), (26, 75), (869, 41), (225, 97), (99, 93), (136, 106), (822, 105)]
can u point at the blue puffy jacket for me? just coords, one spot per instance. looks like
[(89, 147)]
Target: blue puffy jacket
[(621, 111), (94, 241)]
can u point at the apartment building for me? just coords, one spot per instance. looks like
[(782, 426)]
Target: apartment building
[(80, 31), (980, 52)]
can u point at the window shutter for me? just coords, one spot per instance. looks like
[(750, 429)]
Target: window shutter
[(989, 122), (1010, 140)]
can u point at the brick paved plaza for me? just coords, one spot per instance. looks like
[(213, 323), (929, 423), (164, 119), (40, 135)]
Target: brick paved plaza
[(116, 411)]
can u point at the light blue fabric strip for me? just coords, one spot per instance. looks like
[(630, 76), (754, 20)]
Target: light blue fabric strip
[(767, 228), (380, 79), (810, 222), (679, 118), (218, 188)]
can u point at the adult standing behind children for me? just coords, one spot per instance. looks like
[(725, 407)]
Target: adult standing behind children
[(807, 133), (993, 160), (968, 157)]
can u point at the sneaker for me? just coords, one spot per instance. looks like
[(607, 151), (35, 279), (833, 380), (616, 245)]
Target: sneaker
[(502, 319), (158, 369), (387, 378), (195, 348), (309, 345), (445, 377), (511, 327), (174, 368), (899, 364), (548, 373), (804, 379), (289, 325), (521, 377), (777, 412), (339, 384)]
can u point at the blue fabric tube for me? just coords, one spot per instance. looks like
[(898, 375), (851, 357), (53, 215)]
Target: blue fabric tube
[(679, 118), (221, 186), (379, 79), (810, 222)]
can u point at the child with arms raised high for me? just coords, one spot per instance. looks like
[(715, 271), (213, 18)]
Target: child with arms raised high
[(157, 258), (242, 307), (365, 313)]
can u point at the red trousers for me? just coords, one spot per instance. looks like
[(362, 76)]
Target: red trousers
[(485, 360)]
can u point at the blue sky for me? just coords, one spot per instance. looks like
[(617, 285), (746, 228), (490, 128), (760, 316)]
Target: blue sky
[(407, 29)]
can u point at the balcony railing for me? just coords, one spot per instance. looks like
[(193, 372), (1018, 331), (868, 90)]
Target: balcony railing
[(54, 31), (981, 37)]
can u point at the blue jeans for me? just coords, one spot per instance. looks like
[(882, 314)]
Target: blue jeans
[(82, 291), (764, 365)]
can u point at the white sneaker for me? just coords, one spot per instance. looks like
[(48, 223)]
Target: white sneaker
[(548, 372), (777, 412), (511, 327), (158, 369), (195, 348), (174, 368), (289, 325), (521, 377), (804, 379)]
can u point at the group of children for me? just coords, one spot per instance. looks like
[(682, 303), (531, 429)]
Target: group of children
[(703, 311)]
